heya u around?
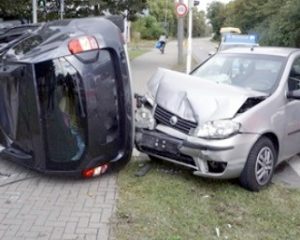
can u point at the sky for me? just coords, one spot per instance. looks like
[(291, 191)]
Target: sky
[(204, 3)]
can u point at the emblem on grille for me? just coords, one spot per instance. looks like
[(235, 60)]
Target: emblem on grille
[(173, 120)]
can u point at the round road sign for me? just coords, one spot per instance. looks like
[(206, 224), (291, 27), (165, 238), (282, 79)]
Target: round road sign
[(181, 9)]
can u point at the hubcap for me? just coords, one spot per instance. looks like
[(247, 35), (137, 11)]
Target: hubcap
[(264, 165)]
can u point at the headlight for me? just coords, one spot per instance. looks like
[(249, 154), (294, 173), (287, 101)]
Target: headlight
[(218, 129), (144, 118)]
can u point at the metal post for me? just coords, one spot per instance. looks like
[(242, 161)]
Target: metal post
[(34, 11), (180, 36), (190, 31), (166, 13), (126, 30), (62, 9)]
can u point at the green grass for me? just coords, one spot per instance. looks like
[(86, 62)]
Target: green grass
[(180, 206), (138, 48)]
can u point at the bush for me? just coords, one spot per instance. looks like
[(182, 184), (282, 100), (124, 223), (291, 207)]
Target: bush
[(148, 27)]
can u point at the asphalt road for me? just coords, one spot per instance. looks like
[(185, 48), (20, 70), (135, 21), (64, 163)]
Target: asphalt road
[(202, 47)]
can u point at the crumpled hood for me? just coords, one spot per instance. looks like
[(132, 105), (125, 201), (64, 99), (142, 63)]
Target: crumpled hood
[(196, 99)]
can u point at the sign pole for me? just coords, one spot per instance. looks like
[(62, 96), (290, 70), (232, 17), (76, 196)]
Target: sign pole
[(34, 11), (190, 31), (181, 12), (62, 9)]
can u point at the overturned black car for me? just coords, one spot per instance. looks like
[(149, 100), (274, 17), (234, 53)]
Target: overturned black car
[(65, 98)]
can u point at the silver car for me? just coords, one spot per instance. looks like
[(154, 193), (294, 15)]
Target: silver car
[(236, 116)]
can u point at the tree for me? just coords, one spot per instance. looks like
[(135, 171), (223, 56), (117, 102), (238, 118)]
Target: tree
[(277, 22), (119, 6), (15, 9), (216, 13), (148, 27), (199, 25), (283, 28), (73, 8), (163, 11)]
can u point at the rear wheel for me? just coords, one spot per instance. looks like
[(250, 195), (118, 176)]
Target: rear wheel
[(259, 168)]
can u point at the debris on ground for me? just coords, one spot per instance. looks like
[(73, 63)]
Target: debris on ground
[(218, 232), (143, 169)]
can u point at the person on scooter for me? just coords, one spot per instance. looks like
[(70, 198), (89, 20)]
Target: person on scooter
[(163, 41)]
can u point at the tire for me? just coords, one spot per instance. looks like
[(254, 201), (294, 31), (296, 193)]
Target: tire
[(259, 167)]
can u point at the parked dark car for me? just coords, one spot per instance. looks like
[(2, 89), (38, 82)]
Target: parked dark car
[(65, 98)]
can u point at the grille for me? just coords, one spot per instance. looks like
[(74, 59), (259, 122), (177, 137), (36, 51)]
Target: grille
[(163, 116)]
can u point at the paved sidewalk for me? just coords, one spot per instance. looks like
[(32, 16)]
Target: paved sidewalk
[(35, 206), (146, 65)]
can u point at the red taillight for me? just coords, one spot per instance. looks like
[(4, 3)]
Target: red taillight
[(88, 173), (93, 172), (82, 44)]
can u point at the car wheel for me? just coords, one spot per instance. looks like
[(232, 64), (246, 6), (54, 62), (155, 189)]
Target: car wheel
[(259, 168)]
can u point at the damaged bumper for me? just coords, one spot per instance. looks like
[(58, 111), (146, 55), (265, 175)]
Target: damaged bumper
[(222, 159)]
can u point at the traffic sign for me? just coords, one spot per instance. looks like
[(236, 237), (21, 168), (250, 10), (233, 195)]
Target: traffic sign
[(181, 9)]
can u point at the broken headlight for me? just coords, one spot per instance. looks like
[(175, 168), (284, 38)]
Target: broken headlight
[(218, 129), (144, 118)]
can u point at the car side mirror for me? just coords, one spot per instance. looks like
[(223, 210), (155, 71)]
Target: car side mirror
[(295, 94)]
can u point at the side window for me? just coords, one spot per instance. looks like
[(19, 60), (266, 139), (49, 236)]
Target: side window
[(294, 77), (60, 95)]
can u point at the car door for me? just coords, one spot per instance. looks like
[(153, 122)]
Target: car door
[(292, 135)]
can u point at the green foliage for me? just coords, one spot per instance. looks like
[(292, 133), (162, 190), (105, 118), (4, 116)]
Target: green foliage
[(148, 27), (283, 29), (216, 13), (164, 13), (73, 8), (276, 21), (117, 7), (199, 25), (20, 8)]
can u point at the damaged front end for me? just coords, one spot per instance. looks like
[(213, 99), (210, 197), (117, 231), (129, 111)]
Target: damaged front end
[(192, 123)]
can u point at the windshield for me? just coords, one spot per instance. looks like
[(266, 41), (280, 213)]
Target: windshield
[(256, 72)]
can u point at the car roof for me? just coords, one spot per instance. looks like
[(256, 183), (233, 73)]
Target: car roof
[(272, 51)]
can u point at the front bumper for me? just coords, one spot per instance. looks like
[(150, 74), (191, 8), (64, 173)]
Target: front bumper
[(222, 159)]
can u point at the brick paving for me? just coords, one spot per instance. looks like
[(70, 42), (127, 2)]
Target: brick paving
[(35, 206)]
